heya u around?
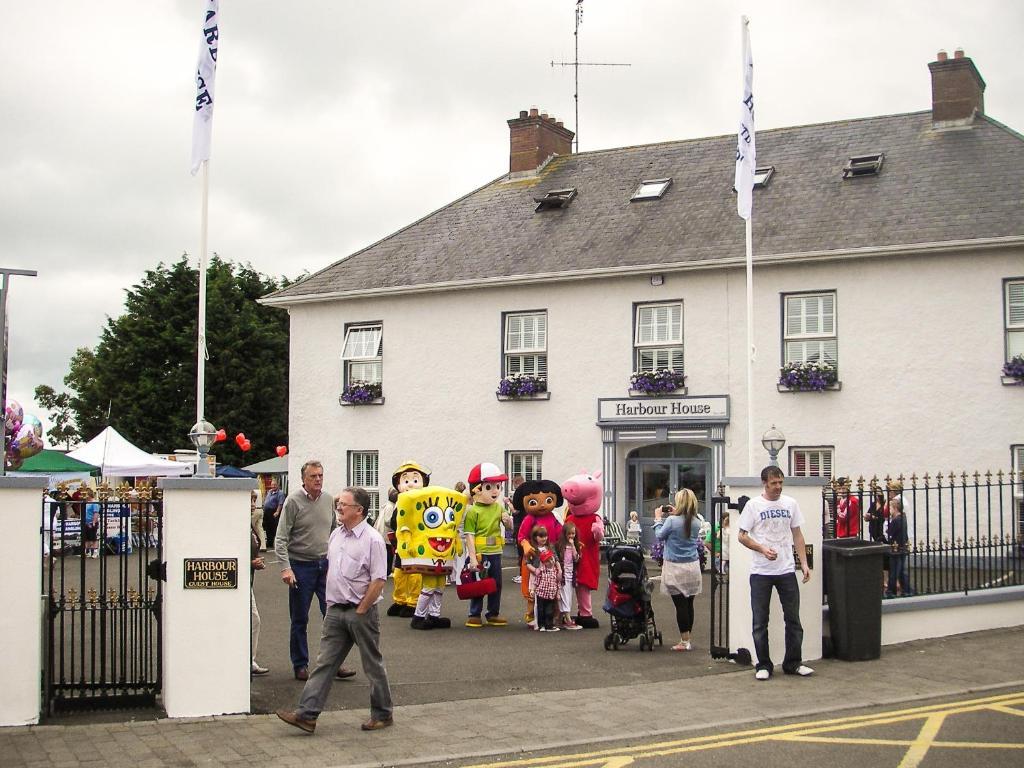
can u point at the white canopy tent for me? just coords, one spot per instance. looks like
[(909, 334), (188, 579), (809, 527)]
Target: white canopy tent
[(277, 465), (115, 456)]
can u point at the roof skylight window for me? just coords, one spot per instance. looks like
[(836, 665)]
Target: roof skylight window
[(556, 198), (762, 175), (651, 189), (864, 165)]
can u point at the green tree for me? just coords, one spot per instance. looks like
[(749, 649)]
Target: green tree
[(61, 430), (141, 377)]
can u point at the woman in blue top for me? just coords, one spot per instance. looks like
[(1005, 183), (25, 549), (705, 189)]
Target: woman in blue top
[(680, 573)]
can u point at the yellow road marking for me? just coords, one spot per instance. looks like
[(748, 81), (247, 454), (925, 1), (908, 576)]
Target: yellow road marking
[(921, 745), (933, 714), (902, 742), (1007, 710)]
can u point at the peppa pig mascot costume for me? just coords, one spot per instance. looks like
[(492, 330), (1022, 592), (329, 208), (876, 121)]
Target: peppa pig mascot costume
[(582, 493)]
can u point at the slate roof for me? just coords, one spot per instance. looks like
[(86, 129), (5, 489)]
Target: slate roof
[(934, 186)]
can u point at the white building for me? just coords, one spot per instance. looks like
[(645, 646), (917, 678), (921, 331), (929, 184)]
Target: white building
[(891, 246)]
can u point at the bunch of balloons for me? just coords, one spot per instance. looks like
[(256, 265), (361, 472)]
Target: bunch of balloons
[(24, 435), (244, 443)]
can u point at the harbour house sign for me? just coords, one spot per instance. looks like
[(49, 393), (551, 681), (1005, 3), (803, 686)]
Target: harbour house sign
[(711, 408)]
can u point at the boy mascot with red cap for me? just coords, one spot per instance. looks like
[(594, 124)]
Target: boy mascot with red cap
[(484, 541), (407, 588)]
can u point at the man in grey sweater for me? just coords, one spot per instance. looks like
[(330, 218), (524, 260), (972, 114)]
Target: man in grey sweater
[(301, 546)]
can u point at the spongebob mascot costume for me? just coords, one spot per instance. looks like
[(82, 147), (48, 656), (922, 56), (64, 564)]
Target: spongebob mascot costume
[(427, 534), (408, 477)]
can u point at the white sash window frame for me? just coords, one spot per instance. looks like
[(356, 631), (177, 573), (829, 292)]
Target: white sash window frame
[(658, 337)]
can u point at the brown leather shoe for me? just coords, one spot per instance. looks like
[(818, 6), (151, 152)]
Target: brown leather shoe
[(301, 673), (376, 725), (292, 718), (344, 673)]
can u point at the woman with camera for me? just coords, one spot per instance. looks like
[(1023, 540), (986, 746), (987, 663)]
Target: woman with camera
[(680, 572)]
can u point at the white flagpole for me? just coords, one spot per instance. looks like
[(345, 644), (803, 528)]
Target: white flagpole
[(202, 134), (751, 351), (201, 353), (744, 182)]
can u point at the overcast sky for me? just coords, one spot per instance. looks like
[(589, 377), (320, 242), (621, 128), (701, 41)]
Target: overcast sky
[(338, 122)]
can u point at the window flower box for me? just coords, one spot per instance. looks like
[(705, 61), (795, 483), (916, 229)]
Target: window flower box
[(362, 393), (808, 377), (522, 387), (1013, 371), (660, 382)]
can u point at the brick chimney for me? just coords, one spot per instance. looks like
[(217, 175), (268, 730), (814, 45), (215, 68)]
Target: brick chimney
[(958, 92), (534, 138)]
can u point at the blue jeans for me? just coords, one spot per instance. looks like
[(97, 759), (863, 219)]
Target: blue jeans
[(899, 574), (491, 567), (760, 601), (310, 579)]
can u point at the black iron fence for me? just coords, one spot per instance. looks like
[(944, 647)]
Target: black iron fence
[(103, 623), (964, 532)]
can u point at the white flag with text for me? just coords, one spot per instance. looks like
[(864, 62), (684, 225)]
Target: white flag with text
[(745, 154), (206, 71)]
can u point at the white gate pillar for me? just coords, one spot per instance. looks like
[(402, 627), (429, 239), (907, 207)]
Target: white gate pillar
[(206, 630), (21, 504), (807, 492)]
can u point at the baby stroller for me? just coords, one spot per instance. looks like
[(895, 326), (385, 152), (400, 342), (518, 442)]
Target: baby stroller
[(628, 602)]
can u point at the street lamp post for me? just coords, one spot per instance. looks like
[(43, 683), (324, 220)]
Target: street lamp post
[(203, 435), (773, 441), (4, 290)]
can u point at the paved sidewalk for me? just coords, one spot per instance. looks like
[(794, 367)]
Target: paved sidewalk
[(437, 732)]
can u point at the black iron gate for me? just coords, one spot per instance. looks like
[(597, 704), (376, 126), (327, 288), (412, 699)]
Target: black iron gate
[(719, 644), (103, 623)]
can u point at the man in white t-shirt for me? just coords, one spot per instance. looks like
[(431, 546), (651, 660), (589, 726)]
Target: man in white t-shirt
[(770, 526)]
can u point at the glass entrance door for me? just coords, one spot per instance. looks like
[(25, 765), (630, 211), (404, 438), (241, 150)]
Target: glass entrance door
[(693, 475), (653, 483), (655, 487)]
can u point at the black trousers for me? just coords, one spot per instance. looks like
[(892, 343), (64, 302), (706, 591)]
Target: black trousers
[(684, 612), (270, 528), (546, 612)]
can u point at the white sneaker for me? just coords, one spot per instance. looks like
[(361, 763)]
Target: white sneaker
[(517, 579), (258, 670), (803, 671), (762, 674)]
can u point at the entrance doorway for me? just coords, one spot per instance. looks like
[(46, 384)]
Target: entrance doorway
[(656, 472)]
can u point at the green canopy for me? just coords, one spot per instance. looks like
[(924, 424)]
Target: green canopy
[(50, 462)]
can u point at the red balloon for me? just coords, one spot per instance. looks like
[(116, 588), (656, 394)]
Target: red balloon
[(245, 445), (240, 438), (221, 436), (282, 450)]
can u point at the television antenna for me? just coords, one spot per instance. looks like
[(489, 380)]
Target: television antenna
[(576, 64)]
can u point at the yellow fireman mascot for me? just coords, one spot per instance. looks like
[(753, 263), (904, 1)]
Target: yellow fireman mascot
[(409, 476)]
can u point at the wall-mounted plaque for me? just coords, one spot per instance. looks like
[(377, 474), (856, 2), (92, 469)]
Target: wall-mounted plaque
[(211, 573)]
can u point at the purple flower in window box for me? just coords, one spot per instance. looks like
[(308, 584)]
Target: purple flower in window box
[(661, 382), (808, 377), (362, 392), (1014, 368), (521, 385)]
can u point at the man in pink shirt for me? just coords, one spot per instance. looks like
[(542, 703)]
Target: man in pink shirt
[(356, 575)]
